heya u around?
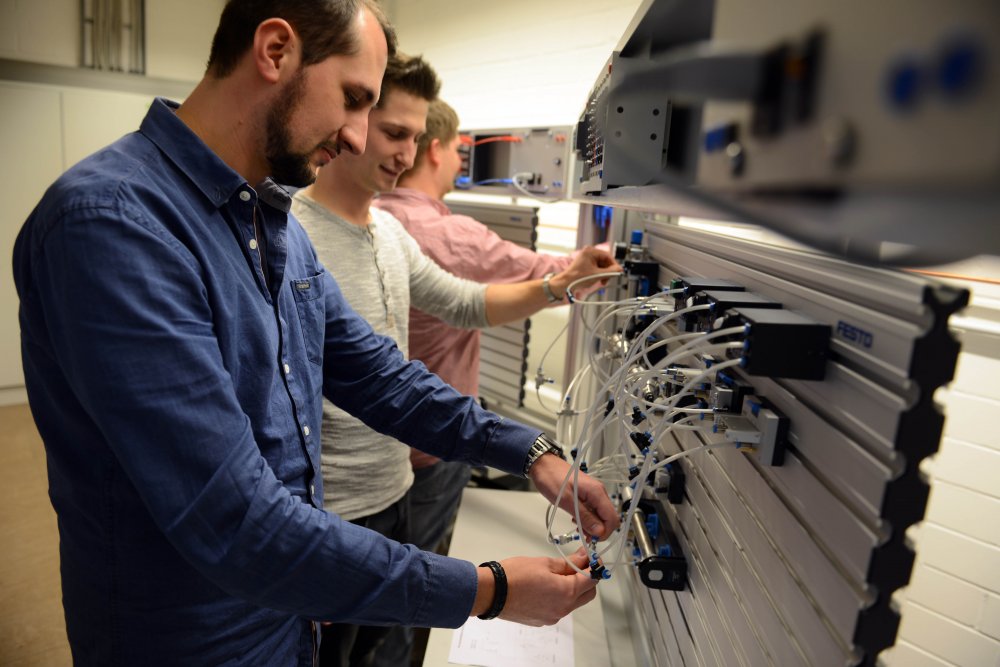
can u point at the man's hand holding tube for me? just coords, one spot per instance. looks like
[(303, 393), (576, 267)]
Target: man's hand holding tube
[(599, 516), (540, 591)]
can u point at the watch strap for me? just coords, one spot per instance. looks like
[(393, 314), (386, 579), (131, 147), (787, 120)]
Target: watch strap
[(500, 590), (547, 288), (541, 446)]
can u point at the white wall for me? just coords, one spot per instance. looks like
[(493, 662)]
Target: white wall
[(48, 128), (34, 152), (179, 37), (41, 31), (515, 63), (178, 34)]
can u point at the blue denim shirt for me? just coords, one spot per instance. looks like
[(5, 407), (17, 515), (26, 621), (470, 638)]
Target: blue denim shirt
[(177, 391)]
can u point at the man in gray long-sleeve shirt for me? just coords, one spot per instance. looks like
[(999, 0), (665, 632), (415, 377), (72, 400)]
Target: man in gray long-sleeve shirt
[(382, 272)]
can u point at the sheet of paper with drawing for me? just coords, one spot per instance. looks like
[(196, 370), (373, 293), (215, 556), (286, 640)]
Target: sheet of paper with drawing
[(499, 643)]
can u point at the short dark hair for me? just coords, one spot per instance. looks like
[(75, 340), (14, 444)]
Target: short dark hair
[(325, 28), (412, 75)]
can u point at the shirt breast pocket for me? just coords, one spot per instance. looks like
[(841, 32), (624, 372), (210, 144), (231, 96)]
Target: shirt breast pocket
[(311, 306)]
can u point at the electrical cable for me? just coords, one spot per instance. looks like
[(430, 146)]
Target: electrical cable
[(515, 181), (465, 183), (507, 138)]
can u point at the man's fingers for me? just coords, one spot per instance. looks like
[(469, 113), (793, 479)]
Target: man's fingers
[(587, 595), (592, 523), (580, 559)]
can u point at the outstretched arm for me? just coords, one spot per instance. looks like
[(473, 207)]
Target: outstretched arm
[(514, 301)]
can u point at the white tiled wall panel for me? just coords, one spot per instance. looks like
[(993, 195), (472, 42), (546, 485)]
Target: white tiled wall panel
[(967, 414), (964, 557), (952, 608), (966, 511), (972, 466), (949, 640), (978, 371), (947, 595), (989, 624), (911, 656)]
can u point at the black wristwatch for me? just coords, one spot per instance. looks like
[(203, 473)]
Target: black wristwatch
[(542, 445)]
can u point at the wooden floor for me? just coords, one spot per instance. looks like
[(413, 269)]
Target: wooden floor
[(32, 630)]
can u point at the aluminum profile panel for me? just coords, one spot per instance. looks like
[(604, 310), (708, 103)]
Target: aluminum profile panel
[(665, 652), (795, 571), (513, 332), (646, 637), (809, 553), (501, 350), (737, 620), (704, 645), (495, 390), (682, 630), (506, 376), (504, 348), (858, 475), (498, 354), (723, 643), (517, 224), (766, 641), (499, 383), (798, 619)]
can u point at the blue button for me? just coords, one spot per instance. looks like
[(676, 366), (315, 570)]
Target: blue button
[(904, 84), (961, 67), (717, 138)]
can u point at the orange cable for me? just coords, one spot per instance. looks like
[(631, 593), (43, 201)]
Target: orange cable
[(489, 140), (954, 276)]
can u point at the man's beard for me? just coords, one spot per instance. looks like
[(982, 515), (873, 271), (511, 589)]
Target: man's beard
[(287, 167)]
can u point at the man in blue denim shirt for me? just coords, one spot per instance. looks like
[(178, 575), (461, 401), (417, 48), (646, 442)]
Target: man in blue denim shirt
[(178, 334)]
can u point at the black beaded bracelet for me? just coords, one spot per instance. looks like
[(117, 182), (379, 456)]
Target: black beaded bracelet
[(500, 593)]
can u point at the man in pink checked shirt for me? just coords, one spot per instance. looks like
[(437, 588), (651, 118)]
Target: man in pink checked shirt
[(467, 248), (460, 244)]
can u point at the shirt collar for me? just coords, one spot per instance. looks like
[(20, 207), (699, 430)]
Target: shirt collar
[(216, 180), (411, 196)]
